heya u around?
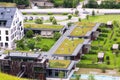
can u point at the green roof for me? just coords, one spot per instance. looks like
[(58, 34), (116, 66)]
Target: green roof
[(68, 46), (59, 63), (43, 26), (82, 28)]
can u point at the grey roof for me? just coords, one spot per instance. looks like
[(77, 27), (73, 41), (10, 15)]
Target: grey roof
[(7, 14), (23, 55)]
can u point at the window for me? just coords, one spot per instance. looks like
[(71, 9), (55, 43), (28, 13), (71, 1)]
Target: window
[(7, 39), (0, 38), (6, 32), (1, 44), (6, 44), (0, 32)]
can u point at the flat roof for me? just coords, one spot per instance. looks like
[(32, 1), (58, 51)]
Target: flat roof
[(82, 28), (43, 26), (23, 55), (61, 64), (68, 46)]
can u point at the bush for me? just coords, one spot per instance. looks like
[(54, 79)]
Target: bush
[(45, 48), (54, 21), (103, 35), (92, 52), (103, 70), (108, 62), (34, 13), (24, 13), (57, 35), (107, 58), (39, 21), (115, 39), (79, 19), (76, 12), (29, 34), (50, 13), (51, 18), (94, 48), (83, 57), (100, 38), (69, 16), (65, 13), (104, 30)]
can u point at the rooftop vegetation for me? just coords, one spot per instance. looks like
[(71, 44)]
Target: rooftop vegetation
[(43, 26), (68, 46), (59, 63), (5, 4), (82, 28)]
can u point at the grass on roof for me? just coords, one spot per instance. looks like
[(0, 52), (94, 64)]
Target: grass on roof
[(4, 76), (59, 63), (4, 4), (82, 28), (68, 46), (43, 26)]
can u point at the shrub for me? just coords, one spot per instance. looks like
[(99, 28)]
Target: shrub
[(54, 21), (76, 12), (83, 57), (103, 70), (29, 34), (104, 30), (100, 38), (69, 16), (94, 48), (107, 58), (34, 13), (24, 13), (79, 19), (103, 35), (57, 35), (115, 39), (50, 13), (92, 52), (51, 18), (108, 62), (39, 21), (65, 13)]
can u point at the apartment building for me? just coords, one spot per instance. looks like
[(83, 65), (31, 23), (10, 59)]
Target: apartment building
[(11, 27)]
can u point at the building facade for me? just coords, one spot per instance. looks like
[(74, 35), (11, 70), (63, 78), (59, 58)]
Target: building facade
[(11, 27)]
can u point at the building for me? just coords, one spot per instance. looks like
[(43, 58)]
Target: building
[(25, 65), (11, 27)]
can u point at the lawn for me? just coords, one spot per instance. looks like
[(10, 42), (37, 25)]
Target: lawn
[(82, 28), (68, 46), (9, 77), (59, 63), (102, 18), (44, 44), (104, 43), (43, 26)]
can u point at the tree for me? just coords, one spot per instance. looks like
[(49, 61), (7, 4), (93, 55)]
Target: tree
[(20, 44), (57, 35), (31, 44), (51, 18), (69, 16), (91, 77), (29, 34), (38, 38), (93, 13), (87, 17), (92, 4), (69, 24), (54, 21), (38, 21), (79, 19), (61, 74), (76, 12)]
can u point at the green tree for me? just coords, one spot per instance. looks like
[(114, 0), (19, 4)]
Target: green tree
[(31, 44), (54, 21), (61, 74), (93, 13), (79, 19), (92, 4), (51, 18), (38, 38), (91, 77), (39, 21), (69, 24), (87, 17), (20, 44), (29, 34), (57, 35), (69, 16)]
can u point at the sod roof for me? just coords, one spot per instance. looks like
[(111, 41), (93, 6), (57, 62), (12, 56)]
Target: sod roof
[(68, 46), (82, 29), (43, 26), (59, 63)]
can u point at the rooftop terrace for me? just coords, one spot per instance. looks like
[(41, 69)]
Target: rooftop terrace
[(43, 26), (82, 29), (59, 63), (68, 46)]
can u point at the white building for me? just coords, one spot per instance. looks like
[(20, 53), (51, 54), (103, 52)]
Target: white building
[(11, 27)]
